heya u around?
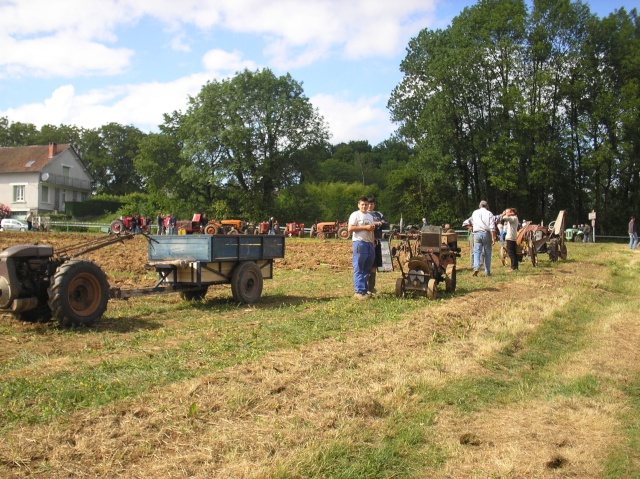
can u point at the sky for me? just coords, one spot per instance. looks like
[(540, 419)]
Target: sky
[(91, 62)]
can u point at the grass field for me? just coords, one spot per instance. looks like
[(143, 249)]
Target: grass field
[(532, 374)]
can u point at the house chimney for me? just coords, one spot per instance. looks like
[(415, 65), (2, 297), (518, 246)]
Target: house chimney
[(53, 149)]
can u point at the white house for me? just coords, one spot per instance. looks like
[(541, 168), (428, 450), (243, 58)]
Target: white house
[(41, 179)]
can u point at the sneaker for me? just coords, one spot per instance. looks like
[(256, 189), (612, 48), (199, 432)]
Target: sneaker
[(475, 272), (360, 296)]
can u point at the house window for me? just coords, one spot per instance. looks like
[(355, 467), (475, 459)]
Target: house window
[(85, 196), (18, 193), (44, 194), (65, 175)]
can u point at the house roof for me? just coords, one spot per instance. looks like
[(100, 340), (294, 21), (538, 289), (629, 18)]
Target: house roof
[(23, 159)]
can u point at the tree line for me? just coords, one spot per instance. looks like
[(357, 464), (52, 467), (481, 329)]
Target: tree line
[(537, 109)]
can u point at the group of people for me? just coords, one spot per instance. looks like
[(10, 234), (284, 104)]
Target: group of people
[(167, 224), (586, 232), (365, 226)]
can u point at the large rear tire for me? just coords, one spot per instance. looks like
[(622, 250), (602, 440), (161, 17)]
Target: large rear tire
[(533, 253), (116, 227), (343, 232), (553, 250), (246, 283), (78, 293)]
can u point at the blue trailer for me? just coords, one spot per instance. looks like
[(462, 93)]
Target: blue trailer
[(38, 284)]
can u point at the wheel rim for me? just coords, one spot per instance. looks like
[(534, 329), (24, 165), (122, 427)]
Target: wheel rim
[(431, 289), (249, 283), (400, 287), (84, 294)]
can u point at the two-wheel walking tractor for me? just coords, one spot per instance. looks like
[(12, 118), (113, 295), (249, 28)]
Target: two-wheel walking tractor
[(38, 284), (426, 260)]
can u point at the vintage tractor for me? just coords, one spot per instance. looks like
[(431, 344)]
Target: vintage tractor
[(124, 224), (330, 229), (534, 239), (426, 261), (38, 284), (294, 229), (228, 227)]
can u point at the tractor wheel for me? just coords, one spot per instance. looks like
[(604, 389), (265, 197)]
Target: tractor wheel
[(196, 295), (553, 250), (233, 231), (78, 293), (503, 255), (400, 291), (432, 292), (116, 227), (533, 253), (450, 279), (563, 252), (246, 283), (343, 232), (321, 235), (210, 230)]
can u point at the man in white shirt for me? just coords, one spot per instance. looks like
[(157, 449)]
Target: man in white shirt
[(510, 218), (361, 226), (484, 236)]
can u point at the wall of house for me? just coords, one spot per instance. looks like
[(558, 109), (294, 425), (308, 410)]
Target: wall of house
[(66, 180)]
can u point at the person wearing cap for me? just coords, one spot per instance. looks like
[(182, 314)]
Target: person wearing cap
[(484, 236), (380, 223)]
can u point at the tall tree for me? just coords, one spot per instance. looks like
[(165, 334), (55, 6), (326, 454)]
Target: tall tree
[(250, 133)]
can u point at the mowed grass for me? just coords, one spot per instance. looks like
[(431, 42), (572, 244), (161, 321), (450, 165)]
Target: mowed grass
[(416, 403)]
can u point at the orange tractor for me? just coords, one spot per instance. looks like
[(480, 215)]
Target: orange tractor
[(330, 229), (213, 227)]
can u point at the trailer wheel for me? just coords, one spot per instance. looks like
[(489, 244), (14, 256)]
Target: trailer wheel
[(78, 293), (400, 291), (432, 291), (246, 283), (450, 279), (321, 236), (196, 295), (116, 227)]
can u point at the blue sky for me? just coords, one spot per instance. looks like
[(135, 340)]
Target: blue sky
[(91, 62)]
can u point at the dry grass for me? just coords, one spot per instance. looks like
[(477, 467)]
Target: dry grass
[(252, 419)]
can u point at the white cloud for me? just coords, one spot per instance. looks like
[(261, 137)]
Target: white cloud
[(295, 33), (359, 119), (222, 62)]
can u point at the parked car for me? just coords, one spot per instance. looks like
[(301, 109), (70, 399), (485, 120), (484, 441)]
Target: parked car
[(9, 224)]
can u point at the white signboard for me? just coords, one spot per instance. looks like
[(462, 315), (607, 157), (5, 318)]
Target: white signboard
[(387, 263)]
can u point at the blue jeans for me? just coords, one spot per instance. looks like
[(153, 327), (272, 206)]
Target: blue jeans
[(633, 240), (482, 242), (363, 257)]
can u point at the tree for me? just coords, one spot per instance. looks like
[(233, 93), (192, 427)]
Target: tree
[(249, 135), (109, 152)]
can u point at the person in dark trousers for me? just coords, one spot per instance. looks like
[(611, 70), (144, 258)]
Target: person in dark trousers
[(510, 220), (381, 224)]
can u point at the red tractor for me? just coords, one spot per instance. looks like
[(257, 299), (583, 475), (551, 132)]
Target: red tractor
[(294, 229), (126, 225)]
